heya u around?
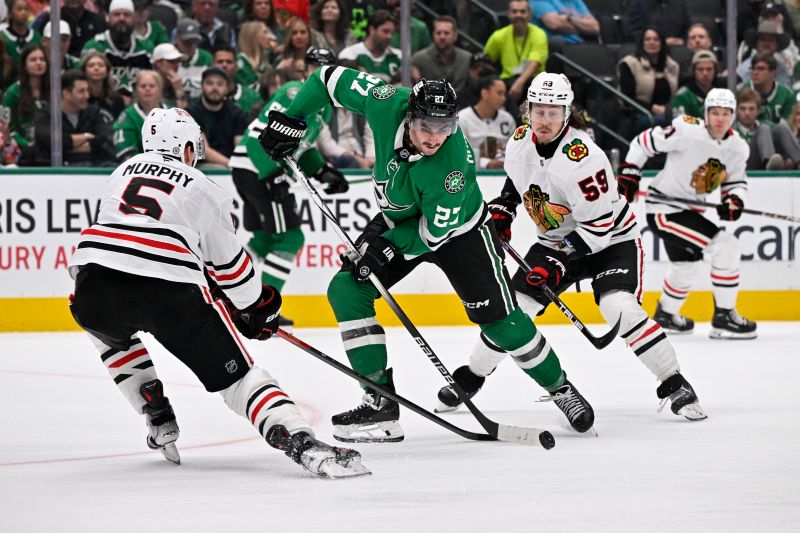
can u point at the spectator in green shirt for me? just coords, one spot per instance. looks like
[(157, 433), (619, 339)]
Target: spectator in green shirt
[(28, 94), (777, 99), (689, 98)]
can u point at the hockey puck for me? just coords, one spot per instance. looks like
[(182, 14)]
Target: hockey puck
[(546, 440)]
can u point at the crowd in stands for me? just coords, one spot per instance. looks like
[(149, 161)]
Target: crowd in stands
[(221, 60)]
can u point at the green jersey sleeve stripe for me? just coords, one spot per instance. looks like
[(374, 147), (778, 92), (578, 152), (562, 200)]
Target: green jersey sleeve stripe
[(330, 77)]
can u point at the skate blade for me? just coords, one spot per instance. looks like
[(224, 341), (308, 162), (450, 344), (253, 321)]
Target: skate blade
[(335, 470), (377, 432), (722, 334), (692, 412), (678, 331), (170, 453), (443, 408)]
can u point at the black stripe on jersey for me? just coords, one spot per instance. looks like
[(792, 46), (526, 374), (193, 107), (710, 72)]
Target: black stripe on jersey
[(229, 264), (444, 238), (634, 328), (624, 231), (256, 394), (643, 348), (734, 184), (610, 213), (138, 253), (596, 233), (652, 140), (242, 281), (276, 266), (328, 74), (622, 214), (155, 231)]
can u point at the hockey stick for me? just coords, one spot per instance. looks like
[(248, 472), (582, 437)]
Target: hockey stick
[(597, 342), (688, 201), (507, 433)]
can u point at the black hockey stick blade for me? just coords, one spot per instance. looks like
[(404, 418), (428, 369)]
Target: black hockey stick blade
[(598, 342), (521, 435)]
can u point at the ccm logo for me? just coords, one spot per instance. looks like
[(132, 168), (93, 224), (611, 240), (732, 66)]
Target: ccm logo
[(286, 130), (611, 272), (475, 305)]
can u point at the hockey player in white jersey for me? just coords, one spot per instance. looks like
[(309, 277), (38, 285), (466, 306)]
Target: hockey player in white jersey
[(701, 157), (162, 225), (586, 230)]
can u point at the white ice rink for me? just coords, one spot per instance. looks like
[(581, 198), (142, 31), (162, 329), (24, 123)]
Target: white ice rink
[(73, 457)]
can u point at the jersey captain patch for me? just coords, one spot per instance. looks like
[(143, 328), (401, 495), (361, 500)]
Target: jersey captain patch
[(383, 92), (546, 215), (519, 133), (454, 182), (576, 150)]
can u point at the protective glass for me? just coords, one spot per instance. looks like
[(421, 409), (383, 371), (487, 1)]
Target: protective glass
[(538, 113), (435, 125)]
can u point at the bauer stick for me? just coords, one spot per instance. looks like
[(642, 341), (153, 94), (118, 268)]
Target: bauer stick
[(505, 433), (688, 201), (494, 429), (597, 342)]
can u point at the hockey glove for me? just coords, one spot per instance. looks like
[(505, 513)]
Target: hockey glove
[(282, 134), (731, 207), (549, 270), (503, 211), (335, 180), (260, 320), (628, 178), (376, 251)]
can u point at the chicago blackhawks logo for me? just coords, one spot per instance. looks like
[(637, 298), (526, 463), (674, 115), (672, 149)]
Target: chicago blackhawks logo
[(709, 176), (690, 119), (546, 215), (519, 133), (383, 92), (454, 182), (575, 150)]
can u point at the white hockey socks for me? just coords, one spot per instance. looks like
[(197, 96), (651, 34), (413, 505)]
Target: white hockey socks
[(677, 283), (258, 397), (725, 257), (128, 368)]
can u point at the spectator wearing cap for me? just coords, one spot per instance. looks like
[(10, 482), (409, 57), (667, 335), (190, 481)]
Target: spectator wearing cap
[(187, 41), (85, 131), (255, 53), (102, 90), (486, 125), (221, 121), (243, 96), (375, 55), (126, 53), (83, 24), (770, 39), (669, 17), (443, 59), (17, 32), (128, 127), (214, 32), (690, 97), (68, 62), (146, 29), (521, 51), (761, 137), (166, 61), (567, 21), (480, 65), (776, 99)]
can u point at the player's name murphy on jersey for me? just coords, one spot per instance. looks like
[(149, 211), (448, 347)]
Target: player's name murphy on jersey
[(158, 171)]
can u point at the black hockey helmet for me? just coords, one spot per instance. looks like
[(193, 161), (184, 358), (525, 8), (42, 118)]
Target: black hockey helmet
[(433, 102), (319, 56)]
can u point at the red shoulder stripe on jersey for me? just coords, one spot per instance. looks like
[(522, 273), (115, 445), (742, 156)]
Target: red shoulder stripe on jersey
[(234, 275)]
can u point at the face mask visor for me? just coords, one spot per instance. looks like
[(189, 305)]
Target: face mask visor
[(434, 125)]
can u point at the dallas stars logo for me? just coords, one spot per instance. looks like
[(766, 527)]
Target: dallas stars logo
[(454, 182), (383, 92)]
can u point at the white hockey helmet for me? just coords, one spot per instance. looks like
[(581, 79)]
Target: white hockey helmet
[(552, 89), (720, 98), (168, 131)]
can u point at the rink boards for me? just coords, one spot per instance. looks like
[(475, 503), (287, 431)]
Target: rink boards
[(42, 215)]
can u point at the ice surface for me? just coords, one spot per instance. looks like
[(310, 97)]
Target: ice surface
[(73, 454)]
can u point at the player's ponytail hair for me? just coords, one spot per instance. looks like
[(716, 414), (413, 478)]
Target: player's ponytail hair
[(577, 119)]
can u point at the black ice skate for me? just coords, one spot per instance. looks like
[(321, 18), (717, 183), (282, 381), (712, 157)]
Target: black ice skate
[(375, 420), (316, 456), (728, 324), (677, 390), (578, 411), (673, 324), (161, 424), (470, 383)]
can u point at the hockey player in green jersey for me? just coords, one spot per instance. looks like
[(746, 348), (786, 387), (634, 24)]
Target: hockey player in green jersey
[(270, 211), (431, 211)]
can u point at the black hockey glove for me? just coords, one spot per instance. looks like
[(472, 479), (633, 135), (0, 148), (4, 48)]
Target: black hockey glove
[(550, 269), (731, 207), (376, 251), (281, 136), (503, 211), (260, 320), (628, 178), (335, 180)]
